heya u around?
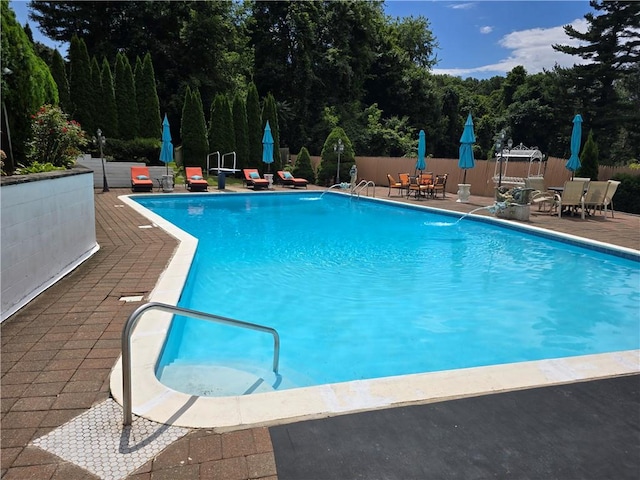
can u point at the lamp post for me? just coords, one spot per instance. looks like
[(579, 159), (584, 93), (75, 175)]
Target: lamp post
[(100, 140), (339, 148), (500, 147)]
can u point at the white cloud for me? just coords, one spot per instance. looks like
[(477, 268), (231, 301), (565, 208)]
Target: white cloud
[(462, 6), (530, 48), (486, 29)]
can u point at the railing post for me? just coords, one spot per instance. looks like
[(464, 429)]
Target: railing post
[(132, 321)]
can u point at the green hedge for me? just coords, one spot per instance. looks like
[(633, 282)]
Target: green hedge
[(627, 196), (137, 150)]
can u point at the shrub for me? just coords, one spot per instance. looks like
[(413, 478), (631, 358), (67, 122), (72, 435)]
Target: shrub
[(55, 138), (303, 166), (137, 150), (627, 196), (37, 167)]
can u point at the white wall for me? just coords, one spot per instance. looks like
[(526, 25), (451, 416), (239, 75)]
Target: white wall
[(47, 230)]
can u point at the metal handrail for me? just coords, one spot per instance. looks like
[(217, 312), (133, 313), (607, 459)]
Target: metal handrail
[(132, 321), (362, 185)]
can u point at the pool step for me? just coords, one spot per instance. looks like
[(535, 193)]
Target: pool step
[(212, 380)]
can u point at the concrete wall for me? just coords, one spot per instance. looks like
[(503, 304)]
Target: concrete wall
[(47, 229)]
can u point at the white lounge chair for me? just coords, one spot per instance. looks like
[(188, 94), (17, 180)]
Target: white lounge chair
[(572, 196)]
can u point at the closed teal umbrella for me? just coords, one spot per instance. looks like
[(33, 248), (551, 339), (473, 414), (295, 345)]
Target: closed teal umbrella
[(422, 147), (267, 146), (573, 163), (166, 150), (465, 153)]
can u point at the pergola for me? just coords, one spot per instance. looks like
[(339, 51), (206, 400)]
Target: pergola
[(519, 154)]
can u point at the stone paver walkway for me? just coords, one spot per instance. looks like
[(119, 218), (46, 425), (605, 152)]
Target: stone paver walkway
[(58, 351)]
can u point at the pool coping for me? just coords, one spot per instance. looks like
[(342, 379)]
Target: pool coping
[(154, 401)]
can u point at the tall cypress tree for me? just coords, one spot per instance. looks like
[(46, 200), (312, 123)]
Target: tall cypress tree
[(150, 123), (240, 130), (270, 112), (80, 83), (254, 127), (221, 136), (193, 130), (110, 113), (59, 74), (125, 98), (97, 102), (303, 167)]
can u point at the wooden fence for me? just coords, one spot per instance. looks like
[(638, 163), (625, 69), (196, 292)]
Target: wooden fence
[(480, 177)]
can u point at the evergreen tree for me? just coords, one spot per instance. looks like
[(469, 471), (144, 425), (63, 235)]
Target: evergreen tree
[(303, 167), (110, 113), (254, 127), (97, 102), (126, 104), (240, 130), (59, 74), (29, 86), (270, 112), (589, 159), (147, 97), (193, 130), (611, 47), (327, 171), (80, 89), (221, 136)]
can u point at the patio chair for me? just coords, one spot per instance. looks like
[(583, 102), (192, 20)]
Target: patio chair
[(252, 179), (595, 195), (417, 188), (608, 198), (572, 196), (194, 180), (427, 179), (394, 184), (404, 181), (287, 179), (540, 195), (141, 180), (440, 185)]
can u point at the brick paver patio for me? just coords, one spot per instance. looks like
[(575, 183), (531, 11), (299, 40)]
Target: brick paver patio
[(58, 351)]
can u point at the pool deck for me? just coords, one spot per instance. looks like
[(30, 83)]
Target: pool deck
[(58, 352)]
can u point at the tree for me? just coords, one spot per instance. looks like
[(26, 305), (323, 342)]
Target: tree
[(589, 159), (270, 113), (80, 88), (193, 130), (303, 167), (611, 46), (147, 98), (109, 117), (59, 74), (126, 104), (254, 127), (329, 164), (97, 100), (240, 130), (26, 84), (221, 136)]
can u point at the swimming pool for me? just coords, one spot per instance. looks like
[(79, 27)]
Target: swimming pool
[(426, 283)]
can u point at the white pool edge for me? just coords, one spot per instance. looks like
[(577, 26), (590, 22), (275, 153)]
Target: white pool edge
[(154, 401)]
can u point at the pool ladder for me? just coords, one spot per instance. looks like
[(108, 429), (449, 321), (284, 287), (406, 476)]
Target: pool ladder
[(364, 184), (132, 321)]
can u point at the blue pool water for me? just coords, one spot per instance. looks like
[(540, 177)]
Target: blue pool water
[(361, 289)]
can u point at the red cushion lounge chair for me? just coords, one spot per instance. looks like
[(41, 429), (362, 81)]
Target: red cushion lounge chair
[(286, 178), (141, 180), (194, 179), (252, 179)]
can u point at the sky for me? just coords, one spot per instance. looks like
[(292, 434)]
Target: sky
[(482, 38), (478, 39)]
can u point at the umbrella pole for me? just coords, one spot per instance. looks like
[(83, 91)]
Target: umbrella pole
[(464, 177)]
